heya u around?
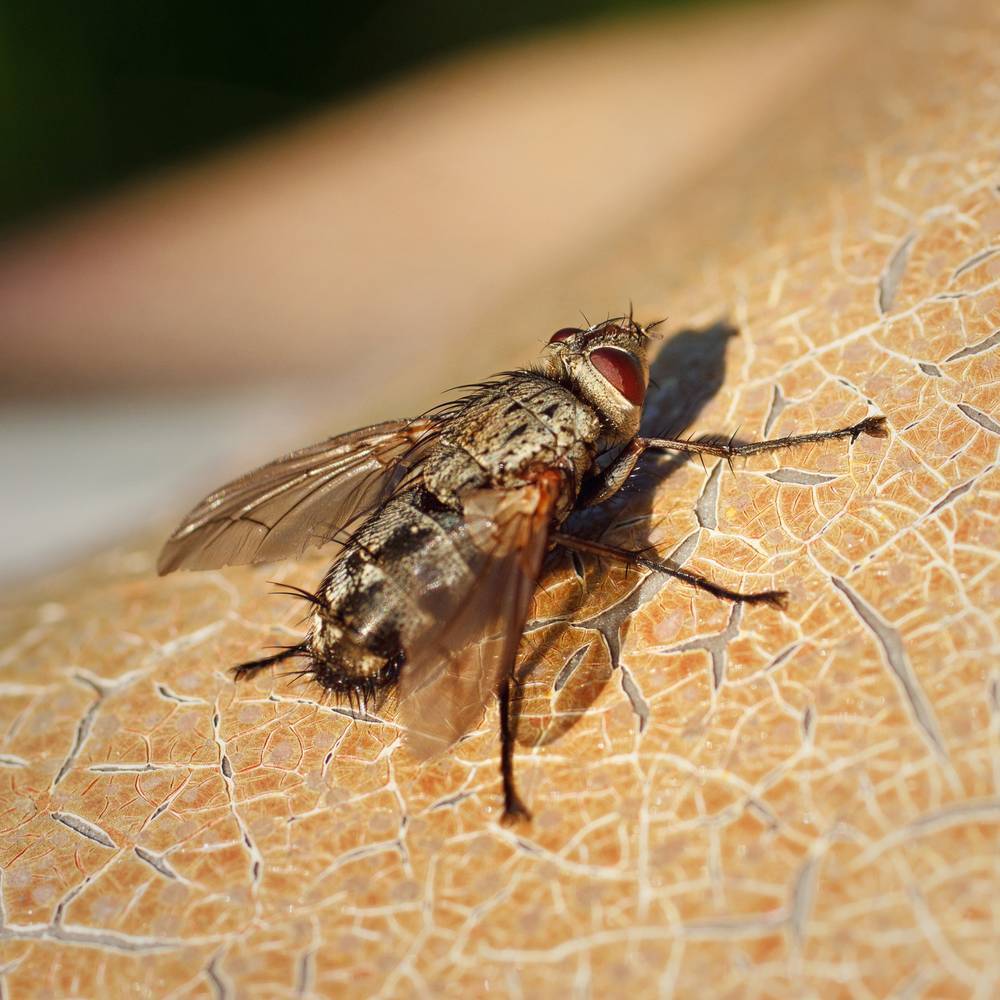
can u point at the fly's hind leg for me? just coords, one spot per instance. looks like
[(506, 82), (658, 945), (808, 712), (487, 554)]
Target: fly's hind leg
[(253, 667), (250, 669), (513, 808), (774, 598)]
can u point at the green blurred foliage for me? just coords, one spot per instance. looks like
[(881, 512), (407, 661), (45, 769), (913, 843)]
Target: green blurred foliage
[(93, 92)]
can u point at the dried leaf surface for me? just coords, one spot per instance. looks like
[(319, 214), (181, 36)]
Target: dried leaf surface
[(727, 801)]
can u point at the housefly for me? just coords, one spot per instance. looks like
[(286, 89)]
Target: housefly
[(443, 522)]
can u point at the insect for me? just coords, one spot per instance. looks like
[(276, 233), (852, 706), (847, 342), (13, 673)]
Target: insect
[(443, 522)]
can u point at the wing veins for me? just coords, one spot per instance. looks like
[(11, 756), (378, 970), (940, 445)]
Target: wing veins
[(303, 499)]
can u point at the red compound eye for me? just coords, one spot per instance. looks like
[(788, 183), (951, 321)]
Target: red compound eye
[(622, 370), (564, 334)]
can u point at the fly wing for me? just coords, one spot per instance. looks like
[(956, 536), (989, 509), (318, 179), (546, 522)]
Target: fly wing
[(282, 508), (446, 684)]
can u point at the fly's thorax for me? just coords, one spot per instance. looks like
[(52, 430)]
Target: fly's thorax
[(606, 365), (450, 471), (518, 426)]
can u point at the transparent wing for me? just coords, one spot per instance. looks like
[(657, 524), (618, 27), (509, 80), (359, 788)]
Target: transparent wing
[(446, 684), (282, 508)]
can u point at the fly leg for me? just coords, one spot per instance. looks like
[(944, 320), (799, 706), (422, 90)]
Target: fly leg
[(875, 426), (774, 598), (254, 667), (606, 484), (513, 808)]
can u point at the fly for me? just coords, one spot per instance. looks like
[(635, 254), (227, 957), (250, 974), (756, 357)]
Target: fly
[(443, 522)]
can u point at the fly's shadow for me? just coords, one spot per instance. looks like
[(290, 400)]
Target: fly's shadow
[(555, 691)]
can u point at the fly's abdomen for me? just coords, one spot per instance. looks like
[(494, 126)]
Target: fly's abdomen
[(401, 576)]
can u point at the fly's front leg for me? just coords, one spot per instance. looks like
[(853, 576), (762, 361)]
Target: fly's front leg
[(775, 598), (606, 484), (874, 426)]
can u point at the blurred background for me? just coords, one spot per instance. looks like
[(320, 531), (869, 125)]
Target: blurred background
[(97, 93), (228, 228)]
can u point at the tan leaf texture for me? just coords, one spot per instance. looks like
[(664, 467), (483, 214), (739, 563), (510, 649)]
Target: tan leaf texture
[(728, 801)]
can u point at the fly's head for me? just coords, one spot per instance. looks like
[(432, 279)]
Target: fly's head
[(606, 365)]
